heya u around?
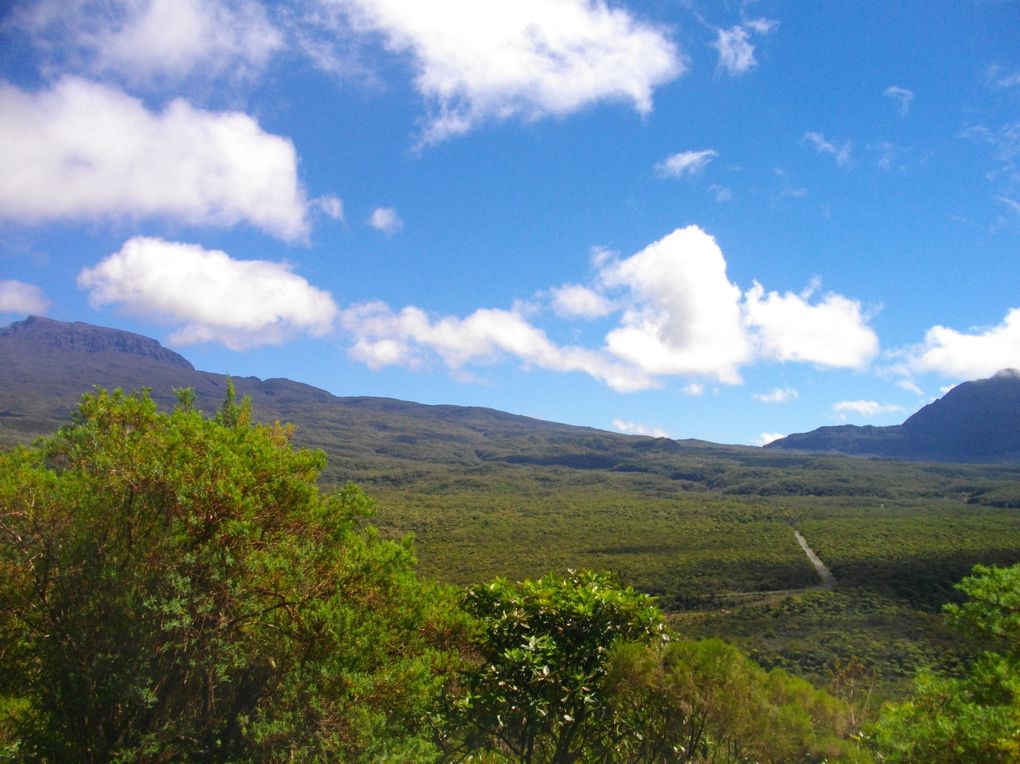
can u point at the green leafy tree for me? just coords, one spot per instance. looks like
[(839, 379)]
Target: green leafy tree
[(974, 718), (537, 693), (174, 587)]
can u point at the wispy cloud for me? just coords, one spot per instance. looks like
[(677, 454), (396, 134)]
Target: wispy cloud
[(901, 96), (685, 163), (778, 395), (823, 146), (866, 409), (736, 51), (635, 428)]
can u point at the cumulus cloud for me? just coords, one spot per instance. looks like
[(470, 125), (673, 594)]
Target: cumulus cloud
[(576, 301), (679, 316), (867, 409), (778, 395), (154, 41), (384, 337), (213, 297), (81, 150), (683, 314), (736, 52), (967, 355), (823, 146), (789, 327), (386, 220), (19, 297), (635, 428), (685, 163), (525, 59), (901, 96), (767, 437)]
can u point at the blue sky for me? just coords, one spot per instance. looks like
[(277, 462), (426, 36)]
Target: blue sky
[(725, 221)]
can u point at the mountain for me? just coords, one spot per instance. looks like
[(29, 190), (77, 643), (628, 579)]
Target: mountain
[(46, 365), (976, 421)]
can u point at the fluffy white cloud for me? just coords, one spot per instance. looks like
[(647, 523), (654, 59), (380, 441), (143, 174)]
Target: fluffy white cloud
[(823, 146), (683, 315), (685, 163), (736, 52), (778, 395), (680, 316), (385, 220), (864, 408), (902, 96), (968, 355), (239, 303), (19, 297), (150, 41), (524, 59), (635, 428), (83, 150), (767, 437), (384, 337), (789, 327), (576, 301)]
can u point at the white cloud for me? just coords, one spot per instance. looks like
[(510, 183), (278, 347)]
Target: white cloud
[(680, 316), (239, 303), (685, 163), (967, 355), (910, 386), (331, 206), (635, 428), (778, 395), (150, 42), (81, 150), (867, 409), (822, 146), (385, 220), (1010, 203), (683, 314), (576, 301), (722, 194), (789, 327), (384, 337), (1003, 79), (767, 437), (901, 96), (736, 53), (525, 59), (19, 297)]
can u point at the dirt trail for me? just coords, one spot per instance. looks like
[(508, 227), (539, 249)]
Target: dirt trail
[(828, 580)]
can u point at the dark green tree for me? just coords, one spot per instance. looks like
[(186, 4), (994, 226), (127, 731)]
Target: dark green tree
[(537, 693), (976, 717), (175, 588)]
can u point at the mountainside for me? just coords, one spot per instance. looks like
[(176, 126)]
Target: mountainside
[(976, 421), (46, 365)]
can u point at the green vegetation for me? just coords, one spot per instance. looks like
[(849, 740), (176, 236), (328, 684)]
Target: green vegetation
[(176, 587)]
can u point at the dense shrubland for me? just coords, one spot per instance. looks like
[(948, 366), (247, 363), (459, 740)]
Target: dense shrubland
[(175, 587)]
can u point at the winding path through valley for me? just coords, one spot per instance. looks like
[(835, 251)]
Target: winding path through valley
[(828, 580)]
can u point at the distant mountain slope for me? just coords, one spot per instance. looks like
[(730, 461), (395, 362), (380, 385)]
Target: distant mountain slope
[(46, 365), (976, 421)]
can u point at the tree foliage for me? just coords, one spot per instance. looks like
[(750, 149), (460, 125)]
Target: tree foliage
[(976, 717), (537, 694), (174, 587)]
